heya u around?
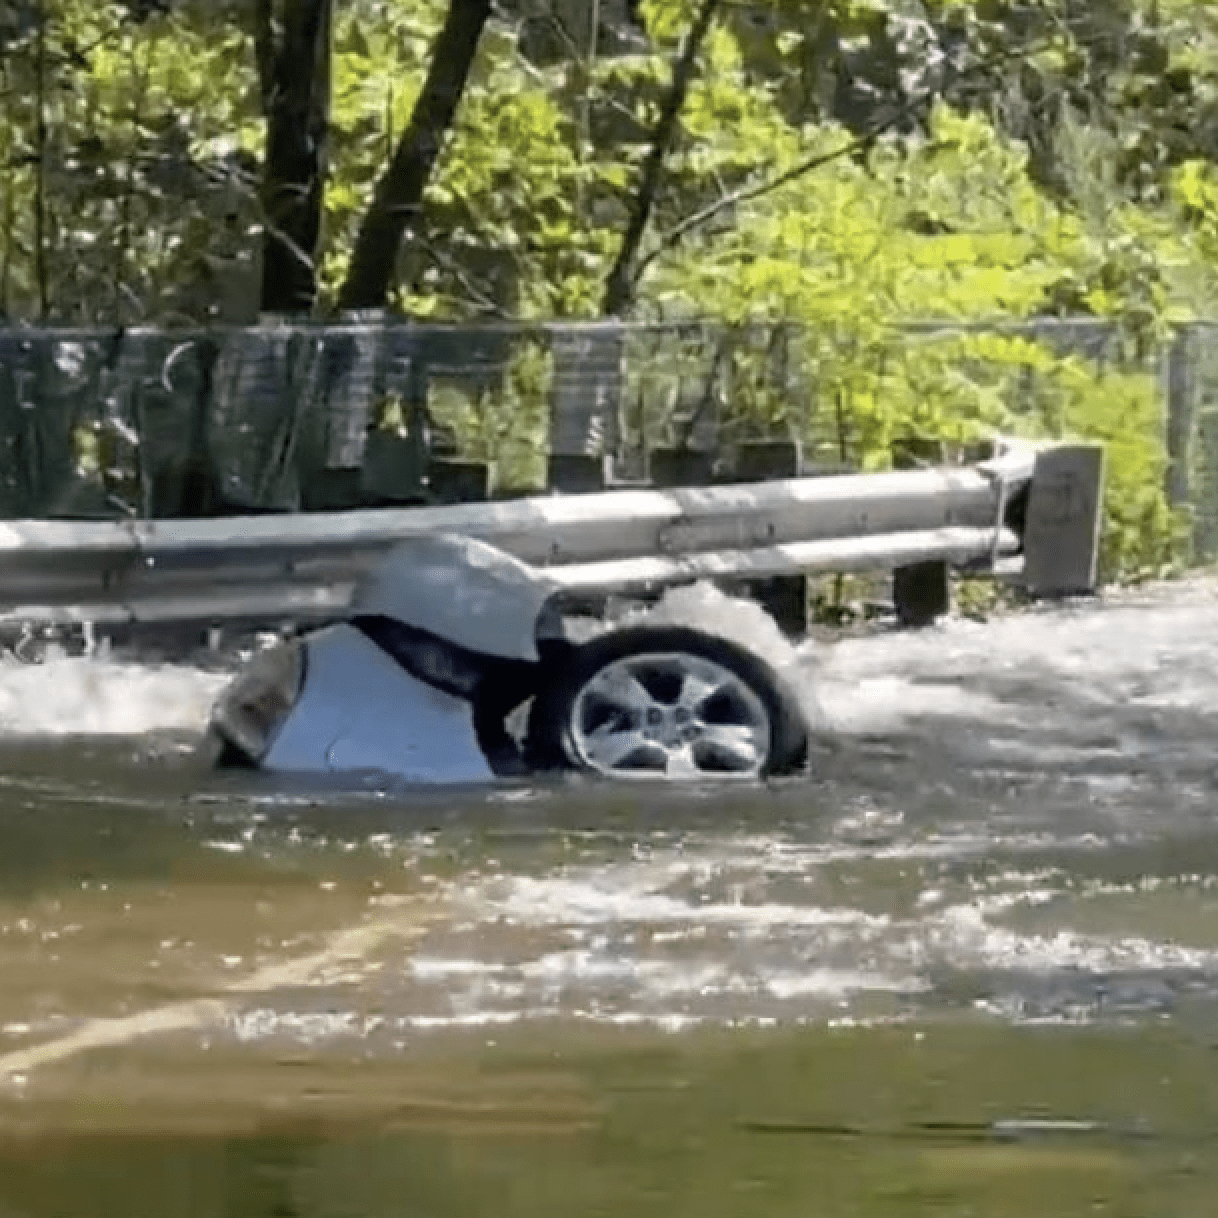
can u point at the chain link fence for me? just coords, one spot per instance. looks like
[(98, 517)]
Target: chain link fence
[(305, 416)]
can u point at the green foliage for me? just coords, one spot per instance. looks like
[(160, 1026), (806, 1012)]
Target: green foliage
[(950, 228), (132, 198), (502, 419)]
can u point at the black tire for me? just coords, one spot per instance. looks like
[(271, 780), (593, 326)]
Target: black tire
[(549, 743)]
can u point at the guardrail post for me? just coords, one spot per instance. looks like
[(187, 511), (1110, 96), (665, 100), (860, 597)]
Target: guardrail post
[(921, 592), (784, 597)]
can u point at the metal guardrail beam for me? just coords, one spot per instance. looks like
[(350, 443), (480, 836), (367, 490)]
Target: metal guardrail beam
[(319, 602), (951, 545), (302, 567)]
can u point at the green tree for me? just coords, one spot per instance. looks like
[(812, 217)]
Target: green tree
[(849, 168), (293, 41)]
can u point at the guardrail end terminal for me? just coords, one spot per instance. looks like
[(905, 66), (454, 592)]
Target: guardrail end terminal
[(1064, 514)]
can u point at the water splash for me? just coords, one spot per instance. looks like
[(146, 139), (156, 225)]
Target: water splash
[(89, 697), (1142, 654), (740, 621), (1138, 653), (1136, 658), (745, 623)]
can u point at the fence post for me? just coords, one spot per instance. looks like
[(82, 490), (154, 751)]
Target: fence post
[(1179, 386), (1205, 535), (584, 403)]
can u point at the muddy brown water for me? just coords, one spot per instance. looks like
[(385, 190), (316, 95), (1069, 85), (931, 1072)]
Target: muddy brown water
[(970, 967)]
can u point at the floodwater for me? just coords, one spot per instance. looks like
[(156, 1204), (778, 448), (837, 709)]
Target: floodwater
[(969, 968)]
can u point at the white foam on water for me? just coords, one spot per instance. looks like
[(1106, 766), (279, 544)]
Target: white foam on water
[(740, 621), (611, 898), (401, 1029), (858, 705), (441, 968), (602, 941), (1157, 649), (824, 983), (73, 696), (967, 939), (1153, 650)]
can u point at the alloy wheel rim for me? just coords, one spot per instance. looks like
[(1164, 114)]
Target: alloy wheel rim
[(670, 715)]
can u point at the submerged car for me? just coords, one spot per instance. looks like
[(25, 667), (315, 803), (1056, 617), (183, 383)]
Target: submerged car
[(455, 664)]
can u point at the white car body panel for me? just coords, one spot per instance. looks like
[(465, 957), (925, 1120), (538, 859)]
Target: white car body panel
[(462, 590), (360, 710)]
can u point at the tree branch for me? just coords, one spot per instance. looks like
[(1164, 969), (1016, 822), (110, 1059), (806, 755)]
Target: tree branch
[(41, 144), (398, 201), (264, 51), (295, 74), (747, 194), (445, 262), (623, 278)]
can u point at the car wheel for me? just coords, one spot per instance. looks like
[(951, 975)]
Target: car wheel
[(666, 702)]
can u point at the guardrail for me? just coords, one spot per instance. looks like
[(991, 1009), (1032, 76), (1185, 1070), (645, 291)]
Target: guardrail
[(1037, 505)]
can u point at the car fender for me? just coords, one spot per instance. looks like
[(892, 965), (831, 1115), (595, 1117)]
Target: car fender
[(361, 711)]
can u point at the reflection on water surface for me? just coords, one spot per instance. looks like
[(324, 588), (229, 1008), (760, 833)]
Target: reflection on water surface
[(970, 969)]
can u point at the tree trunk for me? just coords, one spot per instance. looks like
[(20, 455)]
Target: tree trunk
[(620, 285), (397, 204), (294, 71)]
